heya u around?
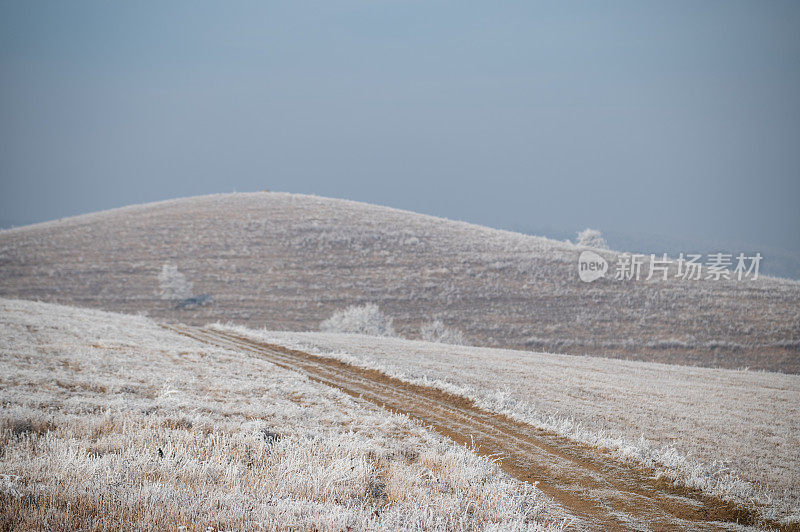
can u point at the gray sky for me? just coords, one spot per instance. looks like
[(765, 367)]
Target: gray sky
[(674, 118)]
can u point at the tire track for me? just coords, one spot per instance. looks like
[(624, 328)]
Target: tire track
[(601, 492)]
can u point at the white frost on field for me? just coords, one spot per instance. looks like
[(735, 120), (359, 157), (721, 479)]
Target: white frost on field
[(733, 434), (111, 422)]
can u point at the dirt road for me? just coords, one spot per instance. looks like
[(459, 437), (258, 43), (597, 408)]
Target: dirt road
[(601, 492)]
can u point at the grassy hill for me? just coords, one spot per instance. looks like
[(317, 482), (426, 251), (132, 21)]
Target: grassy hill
[(287, 261)]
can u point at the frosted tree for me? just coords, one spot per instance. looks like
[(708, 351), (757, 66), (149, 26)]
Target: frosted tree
[(366, 319), (435, 331), (592, 238), (173, 283)]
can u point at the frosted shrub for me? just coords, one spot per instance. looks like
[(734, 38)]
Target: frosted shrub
[(173, 283), (435, 331), (367, 319), (592, 238)]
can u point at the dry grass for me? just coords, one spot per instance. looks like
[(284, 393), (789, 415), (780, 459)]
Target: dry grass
[(110, 422)]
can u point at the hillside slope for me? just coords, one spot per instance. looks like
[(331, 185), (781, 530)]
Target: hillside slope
[(288, 261)]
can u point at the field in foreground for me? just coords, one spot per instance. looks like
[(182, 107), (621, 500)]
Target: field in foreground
[(732, 434), (288, 261), (111, 422)]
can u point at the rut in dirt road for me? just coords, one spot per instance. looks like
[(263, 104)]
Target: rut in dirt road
[(601, 492)]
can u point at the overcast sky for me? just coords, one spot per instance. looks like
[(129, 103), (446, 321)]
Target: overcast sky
[(673, 118)]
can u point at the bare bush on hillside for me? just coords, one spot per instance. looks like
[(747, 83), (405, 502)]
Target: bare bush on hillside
[(173, 284), (592, 238), (436, 331), (366, 319)]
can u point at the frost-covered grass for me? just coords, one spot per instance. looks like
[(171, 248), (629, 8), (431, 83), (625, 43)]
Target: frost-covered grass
[(733, 434), (366, 319), (289, 261), (110, 422)]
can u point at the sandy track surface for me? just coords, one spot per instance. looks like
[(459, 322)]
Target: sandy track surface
[(601, 492)]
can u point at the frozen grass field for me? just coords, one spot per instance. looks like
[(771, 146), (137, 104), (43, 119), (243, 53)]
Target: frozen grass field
[(111, 415), (111, 422), (288, 262), (734, 434)]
